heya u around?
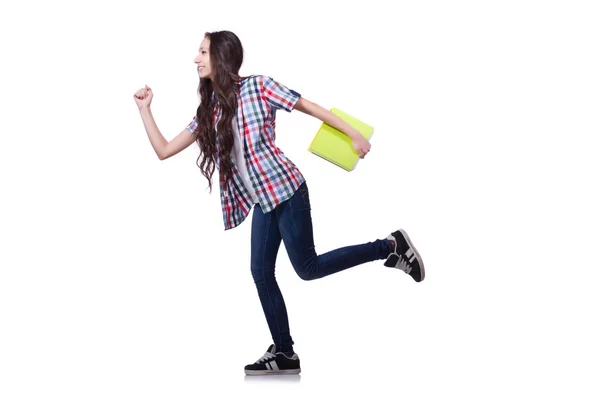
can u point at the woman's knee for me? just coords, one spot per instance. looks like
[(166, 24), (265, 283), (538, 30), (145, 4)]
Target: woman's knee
[(305, 271), (304, 275), (260, 275)]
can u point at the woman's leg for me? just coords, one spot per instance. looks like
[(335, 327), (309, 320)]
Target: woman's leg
[(265, 242), (295, 227)]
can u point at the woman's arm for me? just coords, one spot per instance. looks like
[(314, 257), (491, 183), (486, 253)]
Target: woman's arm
[(157, 140), (162, 148), (318, 111), (165, 149), (361, 145)]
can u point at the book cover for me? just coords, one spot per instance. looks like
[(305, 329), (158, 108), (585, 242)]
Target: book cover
[(336, 147)]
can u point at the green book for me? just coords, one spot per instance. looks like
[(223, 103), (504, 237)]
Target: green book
[(336, 147)]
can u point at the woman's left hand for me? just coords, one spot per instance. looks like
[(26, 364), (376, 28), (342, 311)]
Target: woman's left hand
[(362, 146)]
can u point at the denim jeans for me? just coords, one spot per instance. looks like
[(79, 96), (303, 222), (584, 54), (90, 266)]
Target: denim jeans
[(291, 222)]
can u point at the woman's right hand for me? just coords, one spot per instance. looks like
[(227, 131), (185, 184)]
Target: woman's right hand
[(143, 97)]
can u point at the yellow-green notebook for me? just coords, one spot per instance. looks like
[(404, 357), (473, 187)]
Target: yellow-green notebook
[(336, 147)]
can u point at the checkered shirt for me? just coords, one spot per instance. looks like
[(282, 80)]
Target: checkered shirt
[(274, 177)]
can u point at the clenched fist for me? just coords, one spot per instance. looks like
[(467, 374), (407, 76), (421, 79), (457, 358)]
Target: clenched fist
[(362, 146), (143, 97)]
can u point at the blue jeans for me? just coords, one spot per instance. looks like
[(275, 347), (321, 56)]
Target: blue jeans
[(291, 222)]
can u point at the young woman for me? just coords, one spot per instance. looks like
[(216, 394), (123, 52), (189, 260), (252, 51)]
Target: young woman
[(234, 127)]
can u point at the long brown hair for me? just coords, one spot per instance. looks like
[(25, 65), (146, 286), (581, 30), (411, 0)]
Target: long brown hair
[(226, 57)]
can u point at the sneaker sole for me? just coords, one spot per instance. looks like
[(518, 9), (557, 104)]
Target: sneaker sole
[(273, 372), (419, 260)]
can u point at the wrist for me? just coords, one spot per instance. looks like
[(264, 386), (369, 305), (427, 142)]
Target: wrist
[(355, 135)]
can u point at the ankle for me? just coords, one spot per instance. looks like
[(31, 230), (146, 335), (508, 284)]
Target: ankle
[(287, 351), (392, 245)]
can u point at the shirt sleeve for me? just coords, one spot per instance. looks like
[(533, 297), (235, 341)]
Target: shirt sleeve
[(278, 95), (192, 125)]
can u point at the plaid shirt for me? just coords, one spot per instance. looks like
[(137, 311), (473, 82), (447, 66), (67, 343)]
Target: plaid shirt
[(274, 177)]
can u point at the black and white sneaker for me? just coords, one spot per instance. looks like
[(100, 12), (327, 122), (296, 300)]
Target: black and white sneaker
[(274, 363), (405, 256)]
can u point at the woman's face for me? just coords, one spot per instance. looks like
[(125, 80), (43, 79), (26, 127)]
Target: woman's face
[(202, 60)]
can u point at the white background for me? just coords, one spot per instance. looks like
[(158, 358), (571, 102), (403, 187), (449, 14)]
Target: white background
[(117, 278)]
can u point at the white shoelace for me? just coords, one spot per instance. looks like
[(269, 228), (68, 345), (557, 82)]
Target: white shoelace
[(404, 265), (267, 356)]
